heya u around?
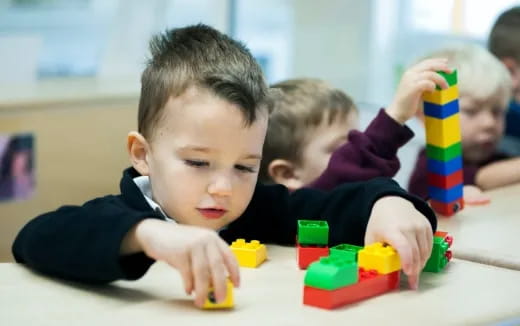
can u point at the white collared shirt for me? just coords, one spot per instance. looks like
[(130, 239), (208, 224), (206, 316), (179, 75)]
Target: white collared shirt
[(143, 183)]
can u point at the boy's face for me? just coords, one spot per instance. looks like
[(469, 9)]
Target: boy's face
[(203, 161), (482, 125), (322, 142)]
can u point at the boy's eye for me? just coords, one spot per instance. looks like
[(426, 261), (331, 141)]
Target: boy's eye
[(243, 168), (196, 163)]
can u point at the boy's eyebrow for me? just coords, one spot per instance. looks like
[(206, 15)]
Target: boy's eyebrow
[(203, 149)]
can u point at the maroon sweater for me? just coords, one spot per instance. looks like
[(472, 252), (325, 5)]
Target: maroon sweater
[(418, 184), (366, 155)]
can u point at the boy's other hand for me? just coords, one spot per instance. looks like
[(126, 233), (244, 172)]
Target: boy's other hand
[(199, 254), (420, 78), (394, 220)]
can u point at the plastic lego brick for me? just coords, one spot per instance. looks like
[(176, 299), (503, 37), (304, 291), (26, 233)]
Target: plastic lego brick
[(345, 250), (331, 273), (444, 154), (445, 181), (313, 232), (445, 195), (442, 96), (443, 132), (441, 111), (447, 209), (227, 303), (249, 254), (451, 78), (444, 168), (444, 235), (439, 257), (370, 286), (307, 254), (379, 257)]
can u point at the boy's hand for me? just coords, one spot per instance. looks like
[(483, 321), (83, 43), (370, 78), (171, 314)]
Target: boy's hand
[(200, 255), (394, 220), (420, 78), (473, 195)]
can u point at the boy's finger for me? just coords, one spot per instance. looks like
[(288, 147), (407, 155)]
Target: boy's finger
[(218, 273), (184, 268), (437, 64), (425, 240), (416, 255), (413, 281), (201, 275), (231, 263), (400, 243), (435, 77)]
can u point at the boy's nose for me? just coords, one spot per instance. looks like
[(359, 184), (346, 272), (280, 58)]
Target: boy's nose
[(220, 186)]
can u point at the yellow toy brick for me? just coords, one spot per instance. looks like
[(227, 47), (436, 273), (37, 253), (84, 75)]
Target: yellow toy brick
[(442, 96), (249, 254), (382, 258), (227, 303), (443, 132)]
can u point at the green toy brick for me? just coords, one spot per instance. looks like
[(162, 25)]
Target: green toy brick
[(312, 232), (332, 272), (451, 79), (347, 251), (438, 259), (444, 154)]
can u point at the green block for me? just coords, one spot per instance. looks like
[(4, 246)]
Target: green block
[(450, 78), (444, 154), (313, 232), (332, 272), (347, 251), (437, 260)]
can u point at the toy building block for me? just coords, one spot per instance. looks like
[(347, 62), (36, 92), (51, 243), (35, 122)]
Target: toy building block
[(440, 256), (444, 168), (443, 96), (331, 273), (250, 254), (305, 255), (370, 284), (444, 154), (445, 195), (443, 132), (346, 250), (441, 111), (451, 78), (227, 303), (379, 257), (445, 181), (313, 232), (447, 209), (445, 236)]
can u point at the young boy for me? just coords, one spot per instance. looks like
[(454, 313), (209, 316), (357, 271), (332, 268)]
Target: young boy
[(484, 91), (504, 43), (202, 120), (306, 142)]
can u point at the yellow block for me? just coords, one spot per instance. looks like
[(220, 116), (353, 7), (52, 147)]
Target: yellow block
[(383, 258), (442, 96), (443, 132), (249, 254), (227, 303)]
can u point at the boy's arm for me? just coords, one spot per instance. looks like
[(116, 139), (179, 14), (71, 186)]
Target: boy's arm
[(83, 242), (366, 155), (273, 212), (498, 174)]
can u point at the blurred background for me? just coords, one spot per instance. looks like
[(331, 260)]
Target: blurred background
[(69, 72)]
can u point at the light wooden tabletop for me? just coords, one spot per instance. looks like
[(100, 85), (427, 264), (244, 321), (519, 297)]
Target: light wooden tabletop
[(465, 293), (488, 234)]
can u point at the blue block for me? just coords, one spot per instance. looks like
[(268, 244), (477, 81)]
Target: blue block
[(444, 168), (445, 195), (441, 111)]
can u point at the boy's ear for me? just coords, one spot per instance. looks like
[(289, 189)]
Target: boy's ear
[(138, 149), (285, 173)]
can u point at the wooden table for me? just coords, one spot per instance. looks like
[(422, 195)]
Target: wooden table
[(466, 293), (488, 234)]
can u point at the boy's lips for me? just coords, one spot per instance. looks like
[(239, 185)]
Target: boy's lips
[(212, 213)]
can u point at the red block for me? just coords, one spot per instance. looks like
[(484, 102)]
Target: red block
[(305, 255), (445, 181), (370, 284), (447, 209)]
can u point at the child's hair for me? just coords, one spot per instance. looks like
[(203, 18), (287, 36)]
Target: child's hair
[(16, 143), (480, 74), (300, 106), (504, 39), (199, 56)]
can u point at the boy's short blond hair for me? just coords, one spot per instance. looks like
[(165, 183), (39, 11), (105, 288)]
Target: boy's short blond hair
[(504, 38), (480, 74), (300, 106)]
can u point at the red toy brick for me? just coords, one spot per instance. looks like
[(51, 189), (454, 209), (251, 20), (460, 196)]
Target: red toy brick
[(447, 209), (445, 181), (370, 284), (305, 255)]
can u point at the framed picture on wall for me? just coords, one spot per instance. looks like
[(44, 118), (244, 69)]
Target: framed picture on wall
[(17, 177)]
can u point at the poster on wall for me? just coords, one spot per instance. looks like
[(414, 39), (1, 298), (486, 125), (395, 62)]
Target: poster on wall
[(17, 177)]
